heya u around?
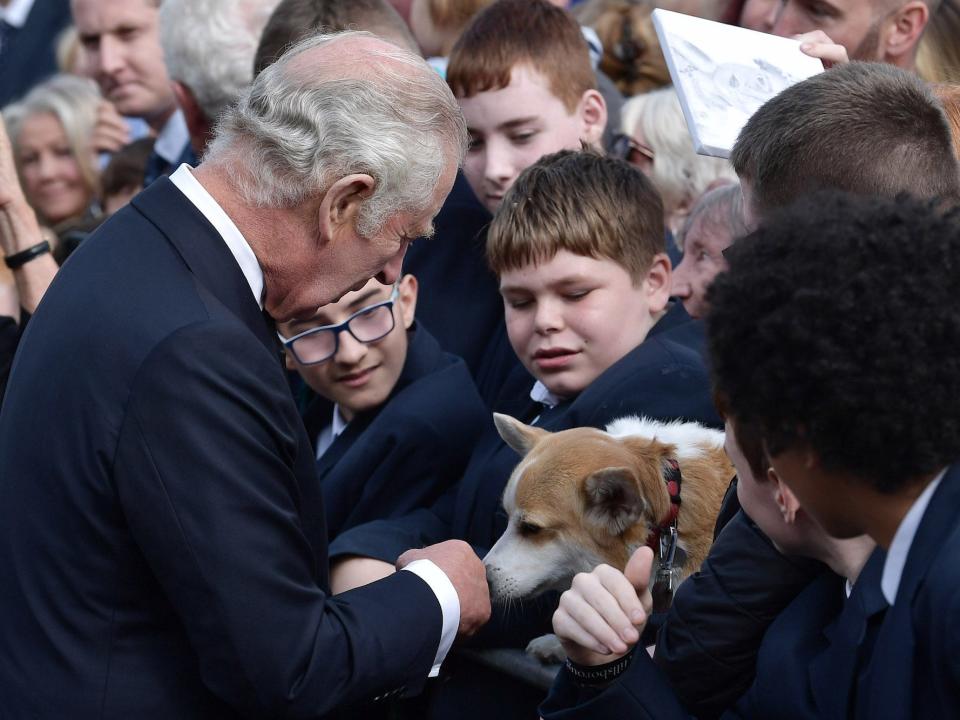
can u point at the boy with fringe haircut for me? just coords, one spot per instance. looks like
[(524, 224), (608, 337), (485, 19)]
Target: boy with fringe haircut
[(578, 245)]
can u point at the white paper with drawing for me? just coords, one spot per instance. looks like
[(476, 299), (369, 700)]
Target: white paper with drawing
[(723, 74)]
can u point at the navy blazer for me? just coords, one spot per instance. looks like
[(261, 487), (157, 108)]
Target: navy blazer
[(28, 54), (807, 641), (660, 378), (915, 667), (163, 549), (460, 301), (402, 455)]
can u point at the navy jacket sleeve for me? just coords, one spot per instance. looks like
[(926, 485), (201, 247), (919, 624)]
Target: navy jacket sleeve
[(708, 645), (213, 505)]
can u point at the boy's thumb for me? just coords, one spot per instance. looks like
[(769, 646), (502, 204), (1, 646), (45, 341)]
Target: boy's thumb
[(638, 568)]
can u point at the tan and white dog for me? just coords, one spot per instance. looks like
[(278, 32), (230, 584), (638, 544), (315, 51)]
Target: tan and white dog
[(584, 496)]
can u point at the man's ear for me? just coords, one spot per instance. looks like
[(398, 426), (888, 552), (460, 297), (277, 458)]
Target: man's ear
[(613, 500), (198, 124), (341, 205), (657, 283), (786, 501), (408, 299), (592, 110), (901, 33), (517, 435)]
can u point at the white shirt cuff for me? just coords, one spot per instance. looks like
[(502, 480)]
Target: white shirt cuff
[(449, 605)]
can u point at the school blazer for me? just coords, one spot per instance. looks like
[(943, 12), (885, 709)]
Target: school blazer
[(402, 455), (461, 304), (660, 378), (915, 666), (807, 644), (163, 546)]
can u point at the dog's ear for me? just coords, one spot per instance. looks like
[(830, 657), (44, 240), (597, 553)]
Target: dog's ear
[(517, 435), (613, 500)]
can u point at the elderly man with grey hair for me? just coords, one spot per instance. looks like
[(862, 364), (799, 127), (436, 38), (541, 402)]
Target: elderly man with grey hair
[(208, 47), (163, 549)]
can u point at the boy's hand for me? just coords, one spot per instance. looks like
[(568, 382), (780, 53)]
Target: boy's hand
[(603, 614), (819, 45)]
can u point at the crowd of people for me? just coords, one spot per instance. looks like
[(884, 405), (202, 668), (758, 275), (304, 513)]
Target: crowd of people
[(272, 265)]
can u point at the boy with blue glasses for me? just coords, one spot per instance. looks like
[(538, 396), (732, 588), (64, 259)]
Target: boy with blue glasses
[(395, 418)]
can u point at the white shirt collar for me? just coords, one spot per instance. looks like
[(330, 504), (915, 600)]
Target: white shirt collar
[(16, 12), (204, 202), (331, 432), (540, 394), (172, 138), (903, 539)]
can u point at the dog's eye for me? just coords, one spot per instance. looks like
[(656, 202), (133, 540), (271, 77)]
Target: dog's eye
[(527, 528)]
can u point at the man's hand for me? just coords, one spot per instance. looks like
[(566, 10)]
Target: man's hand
[(469, 577), (819, 45), (603, 614), (110, 132)]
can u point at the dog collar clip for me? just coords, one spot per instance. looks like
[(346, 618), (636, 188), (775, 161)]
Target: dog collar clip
[(674, 481)]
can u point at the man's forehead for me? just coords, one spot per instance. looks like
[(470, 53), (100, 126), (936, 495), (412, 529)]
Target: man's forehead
[(104, 15)]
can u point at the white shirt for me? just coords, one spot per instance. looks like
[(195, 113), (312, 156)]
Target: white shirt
[(428, 571), (903, 539), (540, 394), (331, 432), (172, 138), (16, 12)]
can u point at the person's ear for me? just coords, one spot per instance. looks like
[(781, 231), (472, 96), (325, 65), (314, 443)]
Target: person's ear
[(198, 124), (901, 33), (408, 299), (341, 206), (786, 501), (592, 111), (656, 284)]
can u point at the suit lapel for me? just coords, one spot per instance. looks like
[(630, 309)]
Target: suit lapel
[(888, 688), (833, 672), (205, 253)]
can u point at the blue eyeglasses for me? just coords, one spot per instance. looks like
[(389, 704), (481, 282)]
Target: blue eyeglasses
[(366, 325)]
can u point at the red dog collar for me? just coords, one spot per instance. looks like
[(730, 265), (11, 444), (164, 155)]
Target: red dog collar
[(674, 480)]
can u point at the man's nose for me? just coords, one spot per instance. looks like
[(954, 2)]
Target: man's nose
[(394, 267), (680, 280), (787, 23), (109, 58)]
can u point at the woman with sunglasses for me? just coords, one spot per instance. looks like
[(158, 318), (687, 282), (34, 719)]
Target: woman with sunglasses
[(394, 418)]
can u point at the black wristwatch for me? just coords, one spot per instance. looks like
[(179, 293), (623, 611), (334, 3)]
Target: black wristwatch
[(21, 258)]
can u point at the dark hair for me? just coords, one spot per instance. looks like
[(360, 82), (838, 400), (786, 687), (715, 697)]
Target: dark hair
[(837, 327), (522, 32), (294, 20), (864, 128), (582, 202), (126, 168)]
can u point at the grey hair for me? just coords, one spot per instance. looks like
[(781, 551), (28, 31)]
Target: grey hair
[(292, 134), (73, 101), (721, 207), (678, 172), (208, 45)]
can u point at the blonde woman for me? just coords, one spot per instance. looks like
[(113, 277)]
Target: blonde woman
[(660, 145)]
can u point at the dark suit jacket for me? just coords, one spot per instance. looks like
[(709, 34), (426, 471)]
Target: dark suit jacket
[(163, 547), (797, 648), (29, 53), (660, 379), (402, 455), (915, 666), (459, 299)]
